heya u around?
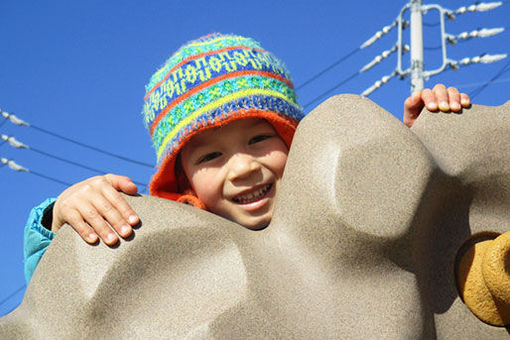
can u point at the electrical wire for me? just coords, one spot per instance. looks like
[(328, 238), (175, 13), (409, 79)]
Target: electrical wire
[(18, 144), (20, 122), (19, 289), (468, 85), (67, 184), (98, 171), (320, 73), (344, 81), (478, 90), (127, 159)]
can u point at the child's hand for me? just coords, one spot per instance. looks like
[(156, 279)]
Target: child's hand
[(438, 98), (88, 206)]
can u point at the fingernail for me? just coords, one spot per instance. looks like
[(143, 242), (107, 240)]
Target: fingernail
[(124, 230), (455, 106), (444, 106), (92, 238), (464, 102), (110, 238), (133, 219), (432, 106)]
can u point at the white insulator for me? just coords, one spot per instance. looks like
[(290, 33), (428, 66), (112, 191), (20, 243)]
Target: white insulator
[(378, 35), (465, 61), (492, 58), (16, 167), (487, 6), (473, 34), (369, 65), (378, 84), (14, 119), (489, 32), (17, 121), (461, 10), (485, 59), (463, 35), (406, 48), (378, 59), (13, 165), (386, 29), (14, 142), (386, 79)]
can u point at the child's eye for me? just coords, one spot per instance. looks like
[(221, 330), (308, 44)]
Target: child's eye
[(209, 157), (258, 138)]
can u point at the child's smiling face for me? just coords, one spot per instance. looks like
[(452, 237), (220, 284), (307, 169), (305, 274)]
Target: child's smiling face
[(235, 170)]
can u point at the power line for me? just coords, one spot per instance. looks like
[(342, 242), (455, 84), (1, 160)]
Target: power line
[(342, 59), (19, 289), (17, 144), (16, 167), (49, 178), (352, 76), (98, 171), (478, 90), (468, 85), (19, 122), (127, 159)]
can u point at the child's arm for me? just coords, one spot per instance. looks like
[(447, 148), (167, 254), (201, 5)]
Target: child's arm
[(439, 98), (91, 205), (37, 238)]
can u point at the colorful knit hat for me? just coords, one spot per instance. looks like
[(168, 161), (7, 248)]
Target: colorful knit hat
[(207, 83)]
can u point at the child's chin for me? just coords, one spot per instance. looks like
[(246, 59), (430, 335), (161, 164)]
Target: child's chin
[(256, 224)]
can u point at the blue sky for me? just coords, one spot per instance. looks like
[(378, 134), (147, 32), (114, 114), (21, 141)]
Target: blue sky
[(78, 69)]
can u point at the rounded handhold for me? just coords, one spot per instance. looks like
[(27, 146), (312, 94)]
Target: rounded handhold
[(496, 268), (483, 279)]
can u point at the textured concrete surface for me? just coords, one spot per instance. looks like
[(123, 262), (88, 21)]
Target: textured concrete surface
[(363, 243)]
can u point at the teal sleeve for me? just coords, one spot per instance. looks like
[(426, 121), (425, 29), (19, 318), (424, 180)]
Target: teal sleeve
[(36, 239)]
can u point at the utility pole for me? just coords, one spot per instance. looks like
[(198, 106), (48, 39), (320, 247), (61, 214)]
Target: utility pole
[(417, 64), (417, 71)]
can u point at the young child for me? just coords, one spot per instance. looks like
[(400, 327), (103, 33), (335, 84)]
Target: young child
[(221, 112)]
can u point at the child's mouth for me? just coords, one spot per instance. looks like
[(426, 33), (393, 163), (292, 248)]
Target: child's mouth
[(253, 196)]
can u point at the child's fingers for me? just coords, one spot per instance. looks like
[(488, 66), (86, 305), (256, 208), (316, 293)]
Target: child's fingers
[(454, 99), (96, 220), (441, 96), (464, 100), (429, 99), (111, 215), (75, 220), (122, 183), (117, 211), (122, 206)]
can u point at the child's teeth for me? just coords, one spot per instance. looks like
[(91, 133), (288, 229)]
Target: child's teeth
[(253, 196)]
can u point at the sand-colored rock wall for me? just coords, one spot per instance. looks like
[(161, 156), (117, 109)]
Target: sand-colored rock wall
[(363, 243)]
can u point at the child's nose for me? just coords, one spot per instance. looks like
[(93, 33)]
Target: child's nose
[(242, 166)]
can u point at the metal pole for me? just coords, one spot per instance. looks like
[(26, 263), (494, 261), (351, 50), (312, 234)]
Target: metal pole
[(417, 65)]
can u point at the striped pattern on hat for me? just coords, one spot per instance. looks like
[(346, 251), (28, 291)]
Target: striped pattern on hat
[(210, 81)]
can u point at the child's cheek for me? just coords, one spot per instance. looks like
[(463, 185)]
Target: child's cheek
[(208, 188)]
